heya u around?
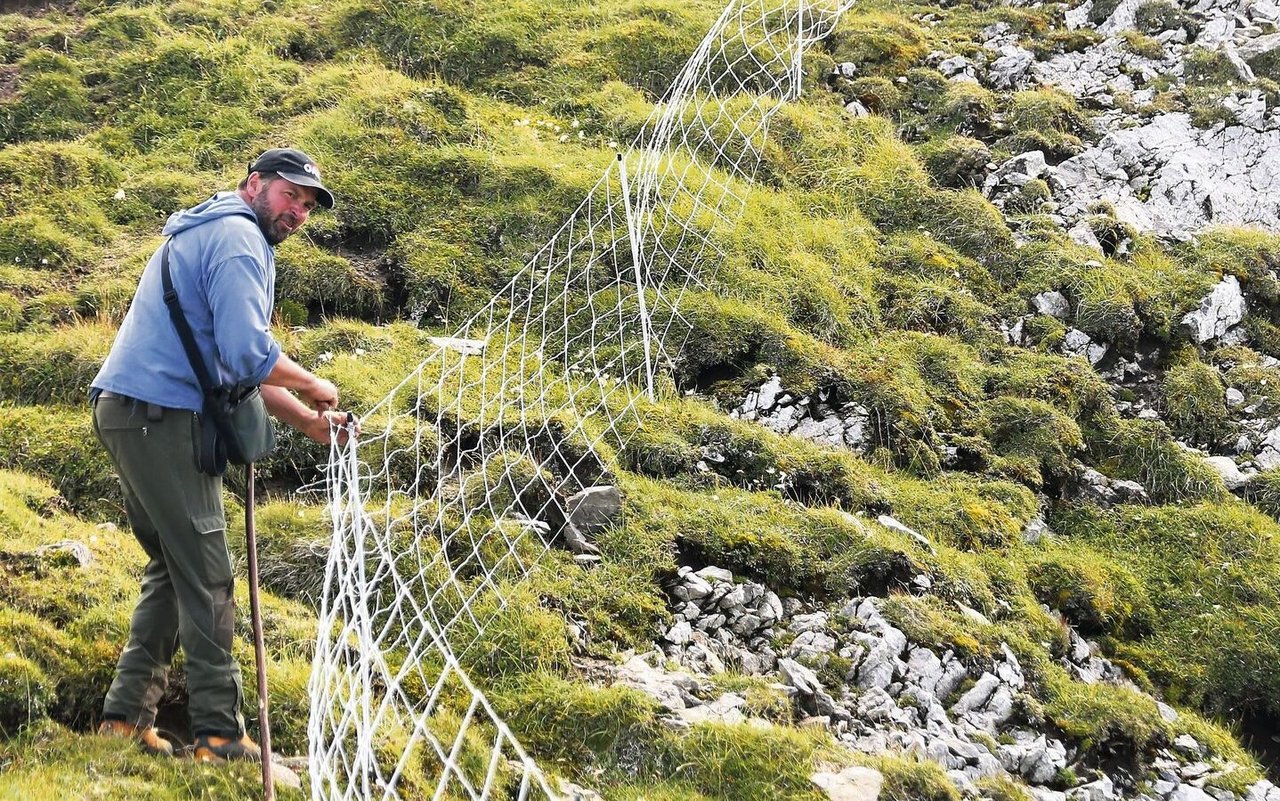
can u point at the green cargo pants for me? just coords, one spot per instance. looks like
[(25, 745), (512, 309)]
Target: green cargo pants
[(176, 514)]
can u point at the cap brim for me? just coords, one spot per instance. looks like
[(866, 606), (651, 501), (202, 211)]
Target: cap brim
[(323, 196)]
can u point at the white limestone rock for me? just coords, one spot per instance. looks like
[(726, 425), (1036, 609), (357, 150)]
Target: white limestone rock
[(1078, 343), (1011, 64), (851, 784), (1016, 171), (673, 691), (1219, 311), (1193, 177), (1263, 791), (1226, 467), (807, 686), (1053, 304), (977, 696), (680, 633), (1122, 18), (856, 109), (1035, 530), (728, 708)]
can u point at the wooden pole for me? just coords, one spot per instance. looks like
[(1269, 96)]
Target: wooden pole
[(259, 650)]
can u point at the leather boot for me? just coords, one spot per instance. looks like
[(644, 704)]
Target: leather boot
[(148, 738), (211, 748)]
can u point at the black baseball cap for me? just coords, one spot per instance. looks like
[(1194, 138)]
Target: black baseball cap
[(296, 166)]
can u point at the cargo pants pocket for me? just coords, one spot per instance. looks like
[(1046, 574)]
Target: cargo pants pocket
[(210, 550)]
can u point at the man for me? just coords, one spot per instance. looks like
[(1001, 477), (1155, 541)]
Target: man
[(145, 399)]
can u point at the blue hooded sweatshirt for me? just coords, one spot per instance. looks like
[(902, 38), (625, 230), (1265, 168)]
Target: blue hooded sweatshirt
[(224, 273)]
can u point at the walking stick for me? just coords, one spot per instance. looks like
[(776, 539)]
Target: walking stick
[(259, 650)]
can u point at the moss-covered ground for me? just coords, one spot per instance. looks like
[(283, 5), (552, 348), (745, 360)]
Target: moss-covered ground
[(457, 136)]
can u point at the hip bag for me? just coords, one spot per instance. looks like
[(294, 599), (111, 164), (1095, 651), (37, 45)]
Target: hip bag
[(234, 426)]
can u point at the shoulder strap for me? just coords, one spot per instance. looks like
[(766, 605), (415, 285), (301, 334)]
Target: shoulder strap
[(180, 323), (211, 454)]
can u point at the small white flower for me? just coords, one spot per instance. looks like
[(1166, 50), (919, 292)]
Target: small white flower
[(359, 351), (574, 123), (613, 145), (564, 137), (119, 195)]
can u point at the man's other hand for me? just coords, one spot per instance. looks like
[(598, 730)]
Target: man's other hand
[(320, 394), (320, 426)]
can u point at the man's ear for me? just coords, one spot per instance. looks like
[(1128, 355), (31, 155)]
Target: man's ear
[(253, 186)]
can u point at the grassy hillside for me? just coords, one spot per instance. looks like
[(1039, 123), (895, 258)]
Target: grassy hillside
[(866, 268)]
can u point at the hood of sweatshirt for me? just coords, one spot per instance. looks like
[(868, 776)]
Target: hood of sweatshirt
[(223, 204)]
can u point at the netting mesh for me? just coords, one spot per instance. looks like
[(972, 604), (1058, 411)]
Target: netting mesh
[(463, 476)]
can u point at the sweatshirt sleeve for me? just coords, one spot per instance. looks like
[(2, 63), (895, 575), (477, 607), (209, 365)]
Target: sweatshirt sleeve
[(240, 299)]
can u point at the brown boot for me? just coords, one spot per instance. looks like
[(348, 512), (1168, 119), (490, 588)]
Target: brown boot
[(211, 748), (148, 738)]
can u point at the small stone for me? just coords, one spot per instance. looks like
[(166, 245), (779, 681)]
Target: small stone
[(978, 695), (851, 784), (1035, 530), (973, 614), (715, 574), (813, 644), (1221, 309), (1130, 491), (1195, 770), (816, 621), (807, 685), (572, 792), (680, 633), (66, 553), (711, 622), (1188, 745), (695, 587), (735, 598), (856, 109), (745, 626), (1054, 304), (1226, 467), (725, 709), (593, 509)]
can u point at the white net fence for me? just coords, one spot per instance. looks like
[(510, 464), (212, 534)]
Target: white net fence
[(470, 468)]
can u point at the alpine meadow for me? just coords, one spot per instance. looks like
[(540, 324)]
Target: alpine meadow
[(803, 400)]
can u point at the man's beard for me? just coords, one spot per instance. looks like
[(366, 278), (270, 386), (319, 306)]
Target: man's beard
[(272, 228)]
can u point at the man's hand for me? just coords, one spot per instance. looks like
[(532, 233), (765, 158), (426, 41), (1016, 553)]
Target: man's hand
[(320, 395), (316, 425), (316, 392), (321, 426)]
